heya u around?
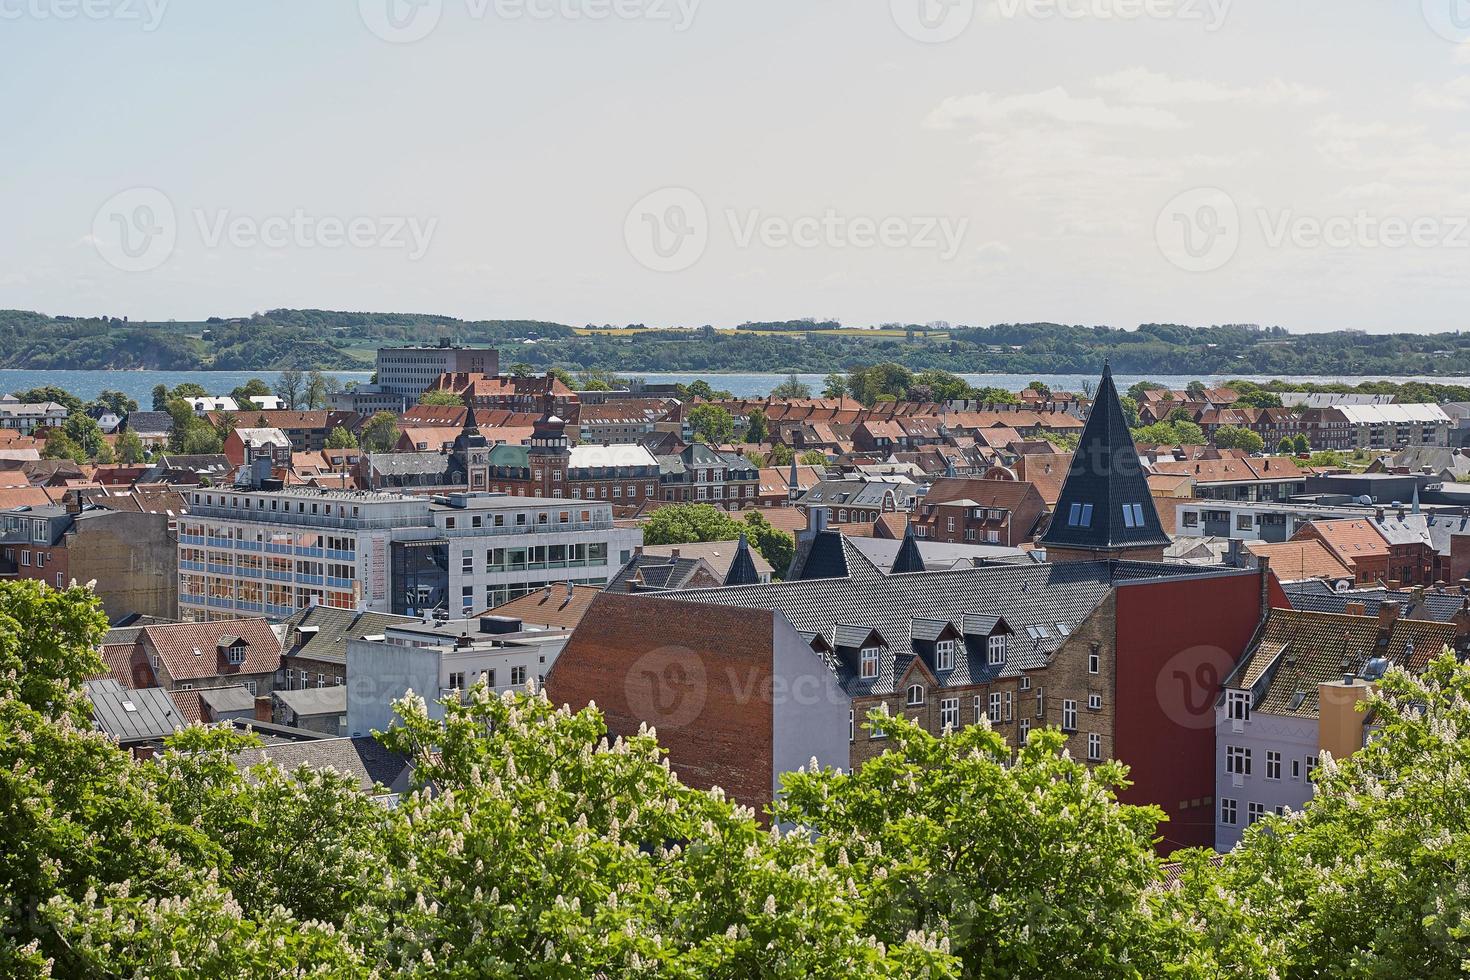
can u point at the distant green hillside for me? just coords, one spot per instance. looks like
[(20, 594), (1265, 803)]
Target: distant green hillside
[(344, 341)]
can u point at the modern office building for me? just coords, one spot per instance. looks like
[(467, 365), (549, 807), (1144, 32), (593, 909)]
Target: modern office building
[(490, 548), (273, 551), (409, 371)]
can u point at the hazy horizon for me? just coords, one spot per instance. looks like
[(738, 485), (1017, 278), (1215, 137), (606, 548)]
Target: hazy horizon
[(680, 162)]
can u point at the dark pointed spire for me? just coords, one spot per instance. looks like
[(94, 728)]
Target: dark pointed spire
[(742, 566), (1105, 505), (908, 558), (1415, 504)]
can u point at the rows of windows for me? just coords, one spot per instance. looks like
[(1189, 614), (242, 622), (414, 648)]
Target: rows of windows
[(534, 558), (1239, 760), (1230, 812)]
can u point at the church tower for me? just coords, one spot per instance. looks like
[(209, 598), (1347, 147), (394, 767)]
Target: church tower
[(1105, 509)]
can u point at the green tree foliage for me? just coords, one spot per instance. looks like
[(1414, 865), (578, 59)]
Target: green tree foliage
[(1041, 388), (1196, 390), (59, 445), (1239, 437), (130, 448), (84, 431), (869, 385), (780, 455), (711, 424), (813, 457), (192, 434), (792, 389), (1301, 444), (1184, 433), (690, 523), (1138, 389), (757, 430), (318, 389), (380, 433), (112, 401), (1130, 410), (835, 386), (340, 438), (246, 394), (532, 844), (291, 388), (160, 398), (967, 841), (441, 398), (1286, 447)]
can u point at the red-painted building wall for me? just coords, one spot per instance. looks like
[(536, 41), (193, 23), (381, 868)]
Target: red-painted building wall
[(1177, 640)]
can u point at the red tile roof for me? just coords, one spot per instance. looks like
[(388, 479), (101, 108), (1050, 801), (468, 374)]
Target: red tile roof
[(190, 651)]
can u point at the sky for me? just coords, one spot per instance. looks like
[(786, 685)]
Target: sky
[(682, 162)]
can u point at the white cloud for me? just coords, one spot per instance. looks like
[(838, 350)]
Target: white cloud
[(1462, 53), (1052, 106), (1452, 95), (1140, 86)]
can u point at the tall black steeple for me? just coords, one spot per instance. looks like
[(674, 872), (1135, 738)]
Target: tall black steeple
[(742, 566), (908, 558), (1105, 509)]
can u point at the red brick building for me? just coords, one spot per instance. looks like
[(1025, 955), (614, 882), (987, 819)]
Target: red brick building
[(969, 510)]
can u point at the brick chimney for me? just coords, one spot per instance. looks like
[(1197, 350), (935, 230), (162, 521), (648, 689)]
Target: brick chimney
[(263, 708), (1388, 614), (1356, 609)]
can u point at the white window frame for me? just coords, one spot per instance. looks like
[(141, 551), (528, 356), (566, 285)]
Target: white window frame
[(995, 649), (916, 696), (868, 663), (944, 652), (1229, 812), (949, 713), (1069, 715)]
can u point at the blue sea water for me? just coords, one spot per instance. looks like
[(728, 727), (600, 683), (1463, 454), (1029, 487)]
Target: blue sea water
[(139, 384)]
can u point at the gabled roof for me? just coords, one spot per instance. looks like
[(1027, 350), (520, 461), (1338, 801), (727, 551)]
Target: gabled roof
[(559, 606), (322, 632), (189, 651), (1306, 558), (364, 758), (132, 715), (1105, 504)]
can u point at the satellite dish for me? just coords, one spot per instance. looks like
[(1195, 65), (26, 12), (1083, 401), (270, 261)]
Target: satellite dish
[(1365, 499)]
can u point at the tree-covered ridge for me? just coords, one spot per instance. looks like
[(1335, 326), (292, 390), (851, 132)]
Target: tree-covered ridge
[(279, 339)]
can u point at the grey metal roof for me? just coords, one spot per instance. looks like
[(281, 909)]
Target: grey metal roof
[(228, 699), (334, 627), (361, 757), (132, 715), (315, 700), (883, 552), (859, 493), (1021, 595)]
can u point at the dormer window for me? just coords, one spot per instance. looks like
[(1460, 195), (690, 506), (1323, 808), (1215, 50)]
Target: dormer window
[(235, 653), (1080, 516), (944, 655), (868, 660), (1238, 704), (995, 649), (916, 695)]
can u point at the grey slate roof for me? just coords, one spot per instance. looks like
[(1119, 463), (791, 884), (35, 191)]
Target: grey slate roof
[(867, 599), (822, 555), (361, 757), (132, 715), (334, 627), (149, 422), (742, 568), (228, 699), (859, 493), (1316, 595), (315, 700), (1105, 481)]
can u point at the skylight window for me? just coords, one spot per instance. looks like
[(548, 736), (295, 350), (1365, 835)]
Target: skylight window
[(1133, 515), (1080, 516)]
